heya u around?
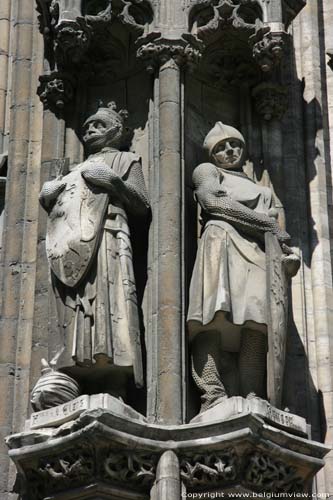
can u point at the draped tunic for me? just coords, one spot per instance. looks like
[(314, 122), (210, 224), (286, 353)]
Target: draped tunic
[(228, 285)]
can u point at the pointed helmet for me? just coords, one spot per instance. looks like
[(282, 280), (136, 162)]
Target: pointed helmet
[(219, 133)]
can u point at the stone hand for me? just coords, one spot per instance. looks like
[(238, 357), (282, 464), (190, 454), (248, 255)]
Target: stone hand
[(51, 191)]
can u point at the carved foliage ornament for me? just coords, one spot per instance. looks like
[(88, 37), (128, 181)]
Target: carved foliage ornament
[(264, 473), (268, 45), (135, 469), (270, 100), (54, 474), (132, 13), (210, 20), (230, 66), (78, 45), (83, 465), (155, 53), (208, 470), (56, 89)]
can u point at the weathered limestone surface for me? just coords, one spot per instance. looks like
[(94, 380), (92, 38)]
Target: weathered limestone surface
[(311, 67), (286, 117), (21, 54)]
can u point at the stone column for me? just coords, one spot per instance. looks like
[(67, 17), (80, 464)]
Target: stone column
[(169, 322), (5, 12), (18, 260), (165, 57), (165, 360), (167, 484), (273, 163), (167, 353)]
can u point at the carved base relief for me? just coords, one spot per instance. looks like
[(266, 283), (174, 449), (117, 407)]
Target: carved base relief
[(105, 450)]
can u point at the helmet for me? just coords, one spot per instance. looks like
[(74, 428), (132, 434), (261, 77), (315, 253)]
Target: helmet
[(219, 133)]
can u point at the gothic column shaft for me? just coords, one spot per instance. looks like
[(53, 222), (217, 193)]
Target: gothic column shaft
[(167, 477), (169, 322), (20, 235), (273, 153), (5, 9)]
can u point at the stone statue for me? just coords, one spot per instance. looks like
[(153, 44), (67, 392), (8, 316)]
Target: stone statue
[(90, 255), (227, 316)]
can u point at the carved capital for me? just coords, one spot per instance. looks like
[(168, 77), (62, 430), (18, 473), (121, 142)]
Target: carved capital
[(268, 46), (270, 100), (159, 51), (230, 66), (56, 90), (72, 40)]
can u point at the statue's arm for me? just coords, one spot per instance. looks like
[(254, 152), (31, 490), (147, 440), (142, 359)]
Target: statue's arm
[(215, 202), (130, 189), (135, 193), (50, 192)]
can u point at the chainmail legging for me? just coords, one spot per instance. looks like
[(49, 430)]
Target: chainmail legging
[(252, 363), (206, 366), (205, 361)]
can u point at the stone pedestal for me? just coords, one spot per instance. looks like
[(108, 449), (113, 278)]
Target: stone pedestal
[(111, 453)]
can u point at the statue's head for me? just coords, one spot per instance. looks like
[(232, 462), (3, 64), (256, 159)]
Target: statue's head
[(225, 146), (104, 128)]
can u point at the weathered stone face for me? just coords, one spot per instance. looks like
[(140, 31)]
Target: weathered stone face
[(229, 154)]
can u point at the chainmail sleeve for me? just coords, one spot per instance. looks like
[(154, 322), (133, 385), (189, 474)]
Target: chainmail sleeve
[(130, 189), (136, 193), (216, 204)]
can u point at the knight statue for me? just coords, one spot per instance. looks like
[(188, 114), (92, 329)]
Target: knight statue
[(89, 251), (229, 316)]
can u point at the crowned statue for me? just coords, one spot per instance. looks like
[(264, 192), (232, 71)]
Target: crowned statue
[(229, 300), (89, 251)]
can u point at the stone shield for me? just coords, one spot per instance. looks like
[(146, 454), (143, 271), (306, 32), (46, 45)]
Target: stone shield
[(277, 302), (74, 228)]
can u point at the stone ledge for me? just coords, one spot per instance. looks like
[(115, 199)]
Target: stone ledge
[(237, 405), (99, 491), (102, 446), (58, 415)]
